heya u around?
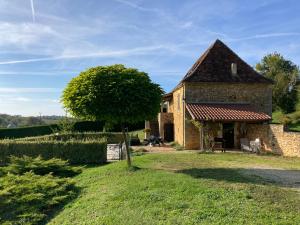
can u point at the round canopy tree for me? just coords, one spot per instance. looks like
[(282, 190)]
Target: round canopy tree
[(114, 94)]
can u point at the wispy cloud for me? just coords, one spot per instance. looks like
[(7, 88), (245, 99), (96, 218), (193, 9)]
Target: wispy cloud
[(39, 73), (267, 35), (113, 53), (29, 90), (32, 10), (138, 7)]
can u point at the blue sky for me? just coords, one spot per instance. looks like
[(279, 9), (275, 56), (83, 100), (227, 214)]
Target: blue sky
[(44, 43)]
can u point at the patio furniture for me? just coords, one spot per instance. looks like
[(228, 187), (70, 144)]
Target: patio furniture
[(255, 145), (245, 145), (153, 140), (218, 144)]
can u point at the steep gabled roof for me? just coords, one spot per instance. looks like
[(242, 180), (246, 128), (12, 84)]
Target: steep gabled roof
[(215, 66)]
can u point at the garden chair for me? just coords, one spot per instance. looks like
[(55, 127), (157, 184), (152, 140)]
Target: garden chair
[(255, 145), (245, 145)]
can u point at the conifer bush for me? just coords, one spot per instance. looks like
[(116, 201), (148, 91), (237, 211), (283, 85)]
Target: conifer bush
[(32, 188)]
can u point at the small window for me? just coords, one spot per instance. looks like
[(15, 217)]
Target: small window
[(178, 102), (165, 107)]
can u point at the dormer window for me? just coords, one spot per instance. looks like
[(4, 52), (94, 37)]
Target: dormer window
[(233, 69)]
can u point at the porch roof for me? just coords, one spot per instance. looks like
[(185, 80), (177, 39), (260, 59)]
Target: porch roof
[(225, 112)]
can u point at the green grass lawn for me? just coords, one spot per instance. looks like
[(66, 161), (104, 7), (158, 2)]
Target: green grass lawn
[(183, 188)]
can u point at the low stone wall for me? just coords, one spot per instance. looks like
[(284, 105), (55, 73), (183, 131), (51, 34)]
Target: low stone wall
[(275, 139)]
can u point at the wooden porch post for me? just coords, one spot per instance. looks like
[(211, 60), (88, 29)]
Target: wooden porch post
[(201, 138)]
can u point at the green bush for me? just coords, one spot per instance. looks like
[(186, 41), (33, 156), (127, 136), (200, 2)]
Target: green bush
[(176, 146), (39, 166), (79, 126), (27, 131), (30, 189), (295, 117), (76, 152)]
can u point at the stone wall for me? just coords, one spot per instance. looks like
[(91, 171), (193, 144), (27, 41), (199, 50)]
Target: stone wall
[(192, 135), (178, 112), (258, 95), (275, 139)]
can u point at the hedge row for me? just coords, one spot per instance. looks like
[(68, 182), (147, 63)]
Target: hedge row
[(27, 131), (76, 152), (88, 136), (82, 126)]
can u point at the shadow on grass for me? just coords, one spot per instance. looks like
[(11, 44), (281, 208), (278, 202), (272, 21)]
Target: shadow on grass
[(283, 178)]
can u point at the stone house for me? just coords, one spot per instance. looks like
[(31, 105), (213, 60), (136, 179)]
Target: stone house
[(220, 97)]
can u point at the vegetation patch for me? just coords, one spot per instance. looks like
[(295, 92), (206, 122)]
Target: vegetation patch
[(33, 188), (76, 152)]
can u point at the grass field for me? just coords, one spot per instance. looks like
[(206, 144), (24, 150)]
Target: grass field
[(184, 188)]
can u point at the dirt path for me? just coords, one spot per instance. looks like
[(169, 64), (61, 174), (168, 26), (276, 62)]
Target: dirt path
[(283, 177)]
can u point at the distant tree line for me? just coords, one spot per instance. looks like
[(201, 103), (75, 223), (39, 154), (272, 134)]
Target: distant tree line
[(13, 121)]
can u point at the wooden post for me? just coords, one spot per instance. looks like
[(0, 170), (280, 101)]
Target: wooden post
[(201, 138), (126, 146)]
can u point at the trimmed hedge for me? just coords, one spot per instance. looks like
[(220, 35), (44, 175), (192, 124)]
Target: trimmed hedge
[(81, 126), (76, 152), (109, 137), (27, 131)]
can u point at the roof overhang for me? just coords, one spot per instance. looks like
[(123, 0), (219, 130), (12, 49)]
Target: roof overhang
[(167, 97), (225, 112)]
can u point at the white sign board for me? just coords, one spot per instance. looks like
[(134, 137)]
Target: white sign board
[(113, 152)]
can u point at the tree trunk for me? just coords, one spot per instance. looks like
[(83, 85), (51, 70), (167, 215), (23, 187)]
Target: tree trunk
[(126, 147)]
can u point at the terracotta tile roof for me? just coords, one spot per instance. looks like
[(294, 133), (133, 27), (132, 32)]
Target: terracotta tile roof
[(215, 66), (225, 112)]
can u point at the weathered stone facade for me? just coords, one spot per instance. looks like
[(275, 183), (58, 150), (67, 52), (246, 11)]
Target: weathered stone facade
[(275, 139), (211, 80), (178, 110)]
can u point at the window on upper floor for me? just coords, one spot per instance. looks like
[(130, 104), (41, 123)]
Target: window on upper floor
[(165, 107), (178, 102)]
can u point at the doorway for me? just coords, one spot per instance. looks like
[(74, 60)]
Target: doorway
[(169, 132), (228, 135)]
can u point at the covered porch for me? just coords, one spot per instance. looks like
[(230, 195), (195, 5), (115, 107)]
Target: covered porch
[(222, 125)]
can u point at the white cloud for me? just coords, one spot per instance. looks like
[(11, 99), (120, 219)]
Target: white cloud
[(95, 54), (32, 10), (22, 99), (267, 35), (23, 34), (40, 73), (29, 90), (138, 7)]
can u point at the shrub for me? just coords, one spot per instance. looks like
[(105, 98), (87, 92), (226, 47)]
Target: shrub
[(176, 146), (27, 131), (30, 189), (76, 152), (295, 117), (134, 140), (108, 136), (27, 198), (39, 166), (79, 126)]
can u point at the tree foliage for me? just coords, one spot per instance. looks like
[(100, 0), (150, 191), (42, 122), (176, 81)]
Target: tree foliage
[(284, 73), (114, 94)]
